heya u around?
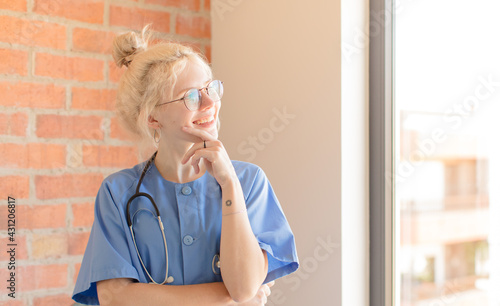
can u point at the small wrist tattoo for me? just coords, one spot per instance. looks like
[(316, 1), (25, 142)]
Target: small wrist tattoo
[(228, 203)]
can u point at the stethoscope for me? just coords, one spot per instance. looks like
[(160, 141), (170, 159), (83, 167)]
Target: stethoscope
[(168, 279)]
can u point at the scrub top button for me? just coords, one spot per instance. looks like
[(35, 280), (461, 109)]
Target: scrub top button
[(186, 190), (188, 240)]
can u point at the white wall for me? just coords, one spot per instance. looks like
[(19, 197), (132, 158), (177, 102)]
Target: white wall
[(354, 131), (281, 65)]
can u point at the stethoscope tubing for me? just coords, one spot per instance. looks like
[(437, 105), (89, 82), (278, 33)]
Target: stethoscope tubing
[(140, 194), (160, 224), (168, 279)]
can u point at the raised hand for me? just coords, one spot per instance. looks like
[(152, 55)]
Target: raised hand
[(214, 155)]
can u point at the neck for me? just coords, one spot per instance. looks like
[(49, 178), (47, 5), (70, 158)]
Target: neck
[(168, 163)]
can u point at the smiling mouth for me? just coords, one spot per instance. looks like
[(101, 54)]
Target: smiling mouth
[(204, 120)]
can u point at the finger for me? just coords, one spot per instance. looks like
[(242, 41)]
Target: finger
[(191, 151), (260, 296), (267, 290), (196, 163), (270, 284), (208, 165), (204, 135), (196, 166), (203, 153), (199, 146), (207, 156)]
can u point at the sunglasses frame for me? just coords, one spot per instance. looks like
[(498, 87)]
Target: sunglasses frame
[(199, 95)]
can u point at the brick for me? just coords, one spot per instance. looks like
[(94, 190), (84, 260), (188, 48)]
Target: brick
[(93, 99), (193, 26), (13, 62), (46, 156), (115, 73), (83, 214), (18, 123), (91, 11), (51, 300), (119, 132), (136, 18), (92, 40), (5, 124), (49, 246), (13, 155), (17, 187), (40, 217), (14, 124), (208, 53), (67, 185), (32, 32), (21, 248), (74, 158), (109, 156), (32, 155), (77, 243), (62, 126), (13, 5), (193, 5), (42, 277), (77, 269), (207, 5), (14, 302), (32, 95), (5, 275), (70, 68)]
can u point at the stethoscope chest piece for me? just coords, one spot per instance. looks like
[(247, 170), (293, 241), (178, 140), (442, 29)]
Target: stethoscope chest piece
[(216, 264)]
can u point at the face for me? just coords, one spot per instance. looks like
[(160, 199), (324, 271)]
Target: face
[(172, 117)]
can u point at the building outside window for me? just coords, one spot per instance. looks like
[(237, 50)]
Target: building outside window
[(447, 152)]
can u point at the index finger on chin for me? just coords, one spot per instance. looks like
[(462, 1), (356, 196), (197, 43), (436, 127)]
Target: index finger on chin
[(204, 135)]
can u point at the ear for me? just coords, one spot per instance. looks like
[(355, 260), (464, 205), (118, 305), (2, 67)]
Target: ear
[(153, 123)]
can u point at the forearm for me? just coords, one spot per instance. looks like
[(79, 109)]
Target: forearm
[(243, 263), (125, 292)]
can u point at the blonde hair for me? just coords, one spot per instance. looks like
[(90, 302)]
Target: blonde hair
[(150, 78)]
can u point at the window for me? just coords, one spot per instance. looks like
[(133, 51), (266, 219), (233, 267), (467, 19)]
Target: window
[(435, 87)]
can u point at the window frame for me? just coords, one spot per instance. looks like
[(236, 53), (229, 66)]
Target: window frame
[(383, 285)]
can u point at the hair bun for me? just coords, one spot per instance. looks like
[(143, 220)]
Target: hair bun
[(126, 46)]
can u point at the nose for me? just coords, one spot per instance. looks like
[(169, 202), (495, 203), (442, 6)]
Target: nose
[(206, 101)]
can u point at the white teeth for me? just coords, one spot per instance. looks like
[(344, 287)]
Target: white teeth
[(204, 120)]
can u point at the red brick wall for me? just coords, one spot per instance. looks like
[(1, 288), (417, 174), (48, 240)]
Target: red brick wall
[(59, 135)]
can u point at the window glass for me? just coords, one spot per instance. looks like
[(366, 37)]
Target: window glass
[(447, 151)]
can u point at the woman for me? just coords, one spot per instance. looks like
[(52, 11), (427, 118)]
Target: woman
[(224, 239)]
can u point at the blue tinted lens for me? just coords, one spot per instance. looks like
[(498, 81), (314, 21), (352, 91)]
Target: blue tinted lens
[(215, 90), (192, 99)]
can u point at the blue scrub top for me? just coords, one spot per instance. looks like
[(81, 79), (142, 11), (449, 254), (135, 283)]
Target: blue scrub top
[(191, 215)]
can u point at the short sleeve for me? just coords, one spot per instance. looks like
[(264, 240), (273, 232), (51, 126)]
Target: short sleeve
[(107, 255), (271, 228)]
